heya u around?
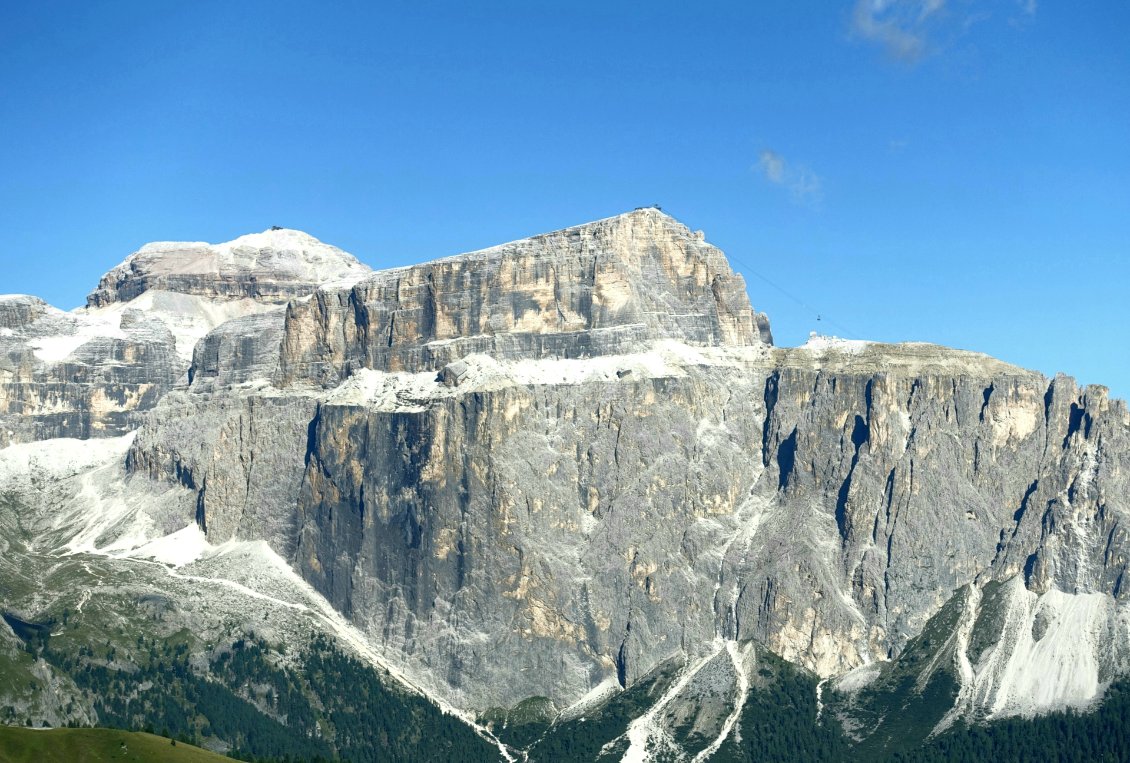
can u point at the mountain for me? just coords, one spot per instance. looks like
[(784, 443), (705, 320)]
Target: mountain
[(565, 490), (94, 371)]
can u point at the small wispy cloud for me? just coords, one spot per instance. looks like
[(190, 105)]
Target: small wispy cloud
[(910, 30), (804, 185), (901, 26), (773, 165), (1027, 15)]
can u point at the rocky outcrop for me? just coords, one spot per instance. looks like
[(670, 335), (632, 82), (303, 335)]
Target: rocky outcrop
[(96, 371), (925, 474), (603, 288), (274, 266), (826, 506), (19, 310), (525, 491), (531, 540), (63, 375), (242, 455), (236, 352)]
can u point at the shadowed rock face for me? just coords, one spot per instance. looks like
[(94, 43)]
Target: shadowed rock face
[(596, 289)]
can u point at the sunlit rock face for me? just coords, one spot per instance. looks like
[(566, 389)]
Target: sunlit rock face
[(603, 288), (73, 375), (824, 504), (95, 371), (272, 266)]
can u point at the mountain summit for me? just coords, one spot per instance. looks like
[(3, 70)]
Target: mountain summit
[(93, 371), (273, 265)]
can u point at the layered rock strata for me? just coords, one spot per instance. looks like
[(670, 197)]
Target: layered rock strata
[(273, 267), (598, 289), (524, 486), (557, 464), (94, 372)]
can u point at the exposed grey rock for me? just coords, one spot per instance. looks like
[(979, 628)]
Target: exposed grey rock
[(519, 530), (241, 350), (62, 377), (454, 373), (243, 456), (273, 266), (18, 310), (96, 371), (825, 507), (598, 289), (571, 459)]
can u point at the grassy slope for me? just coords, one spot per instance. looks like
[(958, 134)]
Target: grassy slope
[(20, 745)]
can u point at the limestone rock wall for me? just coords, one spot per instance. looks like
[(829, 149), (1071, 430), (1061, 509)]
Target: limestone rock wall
[(100, 388), (97, 371), (238, 351), (531, 542), (273, 266), (531, 469), (244, 456), (597, 289), (921, 479)]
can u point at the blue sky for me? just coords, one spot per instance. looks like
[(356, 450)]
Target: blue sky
[(953, 171)]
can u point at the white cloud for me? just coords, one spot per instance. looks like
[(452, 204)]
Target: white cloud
[(773, 165), (898, 25), (912, 29), (804, 185)]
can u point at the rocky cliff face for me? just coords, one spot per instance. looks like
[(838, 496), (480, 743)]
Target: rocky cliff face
[(94, 372), (561, 463), (586, 529), (72, 375), (273, 267), (596, 289), (569, 459)]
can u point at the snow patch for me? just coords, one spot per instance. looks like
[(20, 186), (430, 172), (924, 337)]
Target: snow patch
[(58, 459), (821, 343), (284, 251), (187, 316), (177, 549), (52, 349), (401, 391)]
